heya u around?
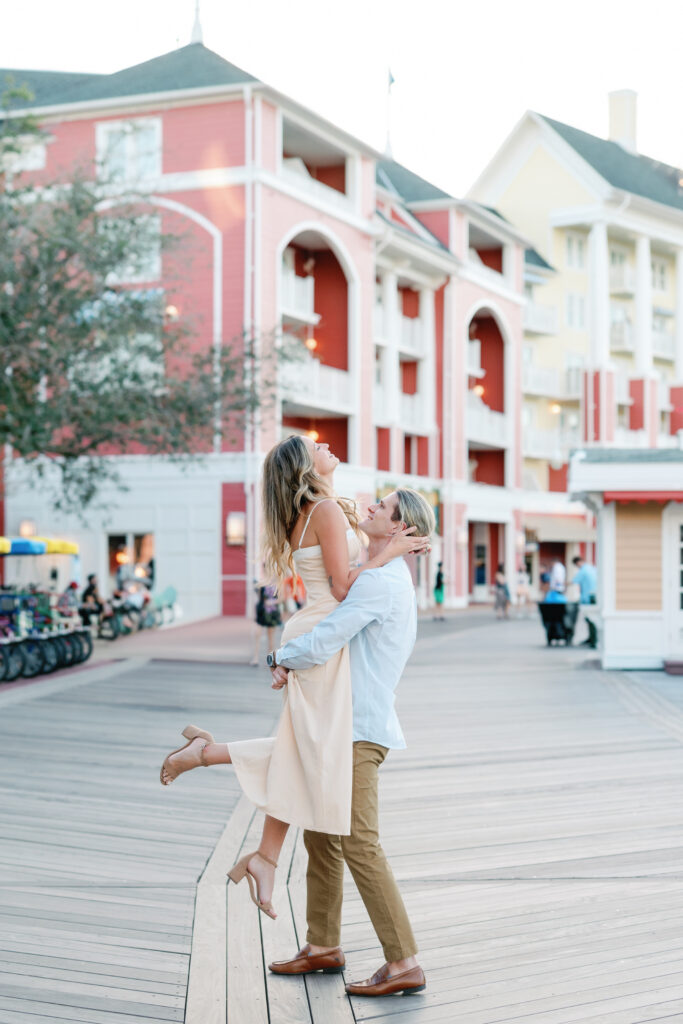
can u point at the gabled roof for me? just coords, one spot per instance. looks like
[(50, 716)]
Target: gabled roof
[(629, 172), (534, 259), (409, 186), (189, 67)]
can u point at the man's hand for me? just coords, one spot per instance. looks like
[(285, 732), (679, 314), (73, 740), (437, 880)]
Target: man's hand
[(280, 676)]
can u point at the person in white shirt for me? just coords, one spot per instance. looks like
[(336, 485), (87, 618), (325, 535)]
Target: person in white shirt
[(378, 621), (558, 577)]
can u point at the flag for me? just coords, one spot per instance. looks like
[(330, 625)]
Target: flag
[(391, 79)]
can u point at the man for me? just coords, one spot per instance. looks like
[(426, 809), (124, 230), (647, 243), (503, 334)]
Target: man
[(587, 580), (91, 602), (378, 621), (558, 576)]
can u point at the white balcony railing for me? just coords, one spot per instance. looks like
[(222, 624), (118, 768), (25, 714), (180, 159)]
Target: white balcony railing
[(548, 444), (622, 280), (664, 395), (294, 171), (622, 391), (541, 380), (621, 337), (668, 441), (573, 381), (298, 296), (380, 406), (379, 322), (484, 425), (308, 382), (663, 344), (540, 319), (625, 438), (474, 358), (412, 413), (411, 339)]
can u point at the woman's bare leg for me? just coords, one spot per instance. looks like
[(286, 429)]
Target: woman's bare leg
[(272, 838), (257, 646)]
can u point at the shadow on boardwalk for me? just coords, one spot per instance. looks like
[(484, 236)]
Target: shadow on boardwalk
[(534, 824)]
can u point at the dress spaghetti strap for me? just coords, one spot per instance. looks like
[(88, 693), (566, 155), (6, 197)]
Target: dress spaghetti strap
[(308, 519)]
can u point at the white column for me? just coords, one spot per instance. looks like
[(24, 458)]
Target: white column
[(599, 295), (643, 306), (426, 378), (392, 380), (679, 316)]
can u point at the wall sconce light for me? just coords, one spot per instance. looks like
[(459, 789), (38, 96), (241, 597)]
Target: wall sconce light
[(313, 434), (235, 529), (478, 390), (171, 312), (462, 538), (311, 344), (556, 408), (27, 528)]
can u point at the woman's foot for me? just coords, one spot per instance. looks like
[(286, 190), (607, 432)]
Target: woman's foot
[(183, 760), (263, 873)]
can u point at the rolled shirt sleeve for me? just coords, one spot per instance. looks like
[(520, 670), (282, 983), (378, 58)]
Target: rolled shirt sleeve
[(364, 603)]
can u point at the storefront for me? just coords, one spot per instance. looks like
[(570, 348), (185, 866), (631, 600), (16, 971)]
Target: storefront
[(638, 498)]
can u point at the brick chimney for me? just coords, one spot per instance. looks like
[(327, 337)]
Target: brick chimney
[(622, 118)]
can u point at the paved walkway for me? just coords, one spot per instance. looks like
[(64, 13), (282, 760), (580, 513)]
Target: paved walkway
[(534, 823)]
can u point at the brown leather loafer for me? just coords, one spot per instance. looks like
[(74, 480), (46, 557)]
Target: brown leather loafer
[(384, 984), (305, 963)]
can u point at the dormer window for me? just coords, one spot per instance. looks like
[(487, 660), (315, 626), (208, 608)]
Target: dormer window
[(314, 160), (129, 150)]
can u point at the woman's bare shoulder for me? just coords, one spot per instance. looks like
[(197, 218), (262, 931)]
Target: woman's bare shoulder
[(327, 513)]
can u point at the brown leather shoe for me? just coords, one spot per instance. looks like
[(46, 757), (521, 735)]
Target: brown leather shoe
[(305, 963), (384, 984)]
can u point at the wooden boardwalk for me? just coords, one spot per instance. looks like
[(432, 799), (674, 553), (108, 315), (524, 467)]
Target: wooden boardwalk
[(535, 824)]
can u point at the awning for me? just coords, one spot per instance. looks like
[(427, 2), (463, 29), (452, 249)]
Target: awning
[(549, 527), (643, 496), (58, 547), (5, 545), (26, 546)]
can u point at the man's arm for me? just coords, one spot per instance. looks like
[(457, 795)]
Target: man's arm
[(366, 601)]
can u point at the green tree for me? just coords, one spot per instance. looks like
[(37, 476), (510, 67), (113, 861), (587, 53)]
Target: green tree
[(92, 364)]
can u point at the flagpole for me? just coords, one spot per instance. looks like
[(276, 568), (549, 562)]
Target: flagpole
[(387, 148)]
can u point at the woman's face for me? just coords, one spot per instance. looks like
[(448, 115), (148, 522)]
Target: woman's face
[(324, 462)]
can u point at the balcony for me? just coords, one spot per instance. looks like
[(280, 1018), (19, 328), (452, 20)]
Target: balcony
[(622, 280), (413, 414), (380, 406), (297, 297), (548, 444), (308, 382), (625, 438), (541, 380), (622, 390), (474, 359), (663, 344), (485, 426), (379, 323), (621, 337), (664, 396), (295, 172), (573, 382), (411, 338), (668, 441), (540, 319)]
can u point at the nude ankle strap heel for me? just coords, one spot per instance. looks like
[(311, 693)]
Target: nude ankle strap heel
[(240, 870), (171, 770)]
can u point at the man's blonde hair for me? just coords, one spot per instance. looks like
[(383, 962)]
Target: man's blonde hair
[(413, 509)]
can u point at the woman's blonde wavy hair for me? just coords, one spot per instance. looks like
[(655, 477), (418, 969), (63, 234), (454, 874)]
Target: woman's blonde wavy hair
[(289, 482)]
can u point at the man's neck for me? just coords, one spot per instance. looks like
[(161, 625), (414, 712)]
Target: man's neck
[(376, 546)]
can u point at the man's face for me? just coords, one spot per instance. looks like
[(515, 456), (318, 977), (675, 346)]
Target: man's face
[(378, 522)]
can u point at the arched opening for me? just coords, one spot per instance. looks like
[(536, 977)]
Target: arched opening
[(315, 312)]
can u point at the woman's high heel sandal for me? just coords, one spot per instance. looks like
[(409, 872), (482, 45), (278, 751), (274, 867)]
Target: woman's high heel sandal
[(170, 770), (240, 870)]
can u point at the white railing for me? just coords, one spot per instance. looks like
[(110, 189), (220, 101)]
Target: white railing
[(298, 295), (625, 438), (667, 441), (541, 380), (412, 412), (540, 319), (309, 382), (663, 344), (474, 358), (573, 381), (379, 322), (294, 171), (622, 280), (380, 405), (622, 391), (485, 425), (548, 444), (663, 394), (621, 337), (411, 335)]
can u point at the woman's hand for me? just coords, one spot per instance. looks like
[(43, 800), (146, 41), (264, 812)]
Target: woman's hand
[(404, 543), (280, 676)]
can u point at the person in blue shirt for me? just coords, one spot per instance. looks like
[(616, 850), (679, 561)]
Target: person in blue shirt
[(587, 579)]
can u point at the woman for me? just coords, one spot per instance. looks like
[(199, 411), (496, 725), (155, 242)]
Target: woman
[(501, 593), (268, 618), (302, 775)]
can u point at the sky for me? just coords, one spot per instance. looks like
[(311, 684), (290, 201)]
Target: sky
[(464, 72)]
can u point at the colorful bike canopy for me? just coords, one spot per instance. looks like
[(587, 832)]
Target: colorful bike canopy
[(36, 546)]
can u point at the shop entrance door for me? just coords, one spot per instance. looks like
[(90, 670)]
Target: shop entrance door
[(673, 580)]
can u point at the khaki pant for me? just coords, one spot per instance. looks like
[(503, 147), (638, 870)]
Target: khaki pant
[(368, 864)]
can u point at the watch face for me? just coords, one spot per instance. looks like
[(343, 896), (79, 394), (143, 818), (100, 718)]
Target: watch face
[(269, 660)]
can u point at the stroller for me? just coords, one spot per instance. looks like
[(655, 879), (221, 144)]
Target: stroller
[(559, 621)]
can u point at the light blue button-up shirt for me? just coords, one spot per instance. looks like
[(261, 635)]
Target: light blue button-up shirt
[(378, 620)]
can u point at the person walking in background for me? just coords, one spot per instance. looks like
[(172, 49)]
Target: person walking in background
[(501, 593), (268, 617), (586, 578), (294, 594), (523, 585), (558, 576), (438, 594), (544, 581)]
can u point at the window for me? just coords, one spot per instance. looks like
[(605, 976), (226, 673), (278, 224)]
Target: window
[(129, 150), (576, 251), (658, 268), (31, 156), (145, 264), (617, 257), (576, 311)]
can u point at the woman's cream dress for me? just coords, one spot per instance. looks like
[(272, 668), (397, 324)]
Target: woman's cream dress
[(302, 775)]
